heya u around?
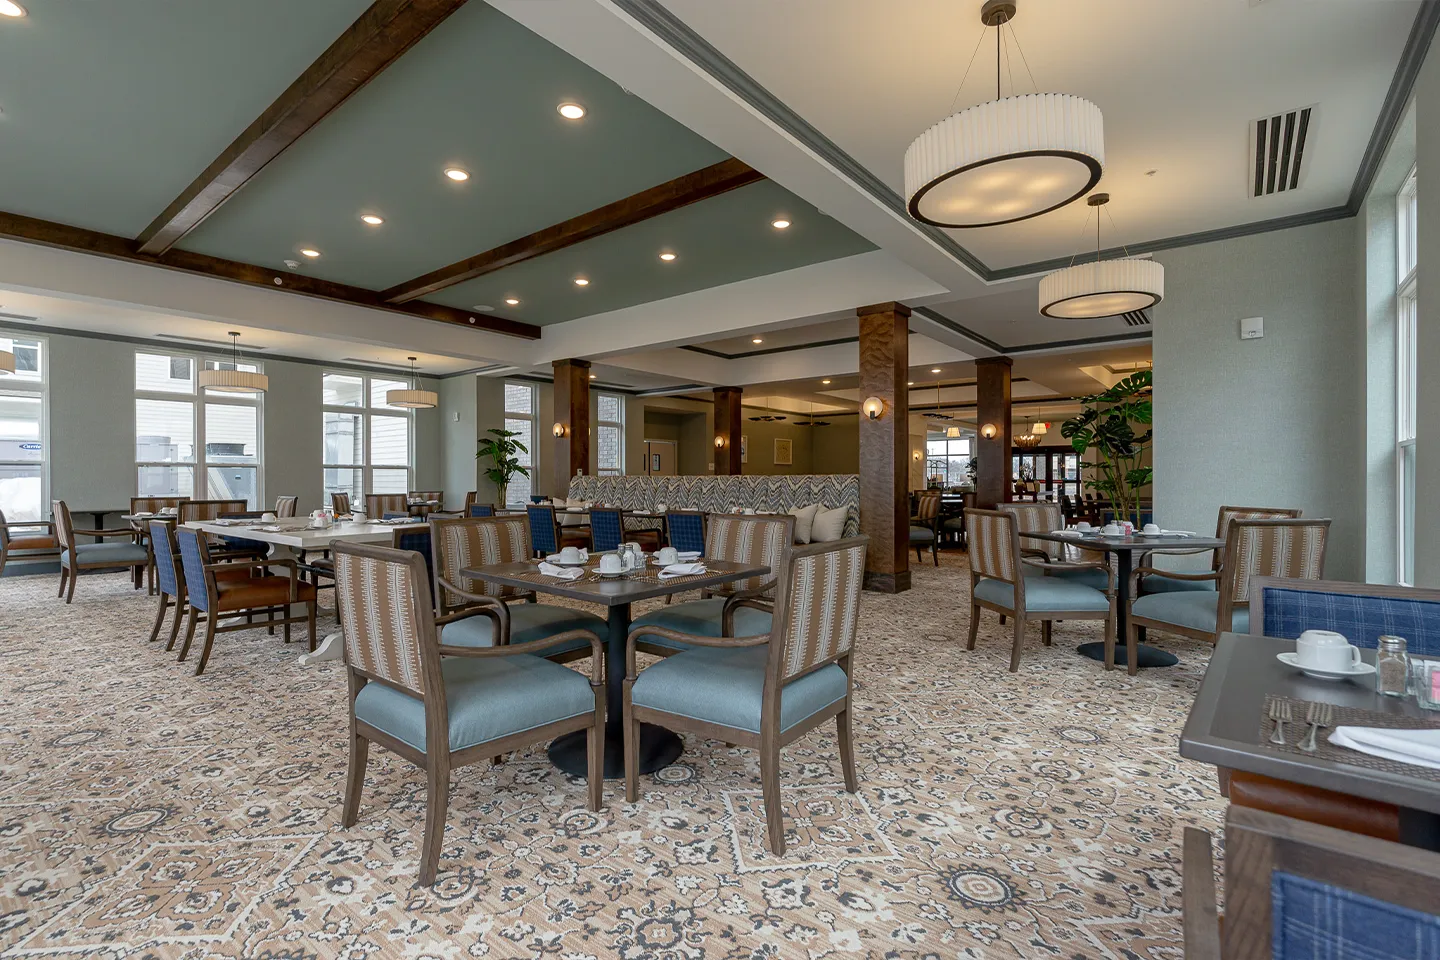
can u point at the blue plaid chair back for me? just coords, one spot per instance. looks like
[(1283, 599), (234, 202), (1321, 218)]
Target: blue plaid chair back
[(480, 510), (1314, 919), (542, 528), (242, 543), (417, 539), (1361, 617), (392, 515), (605, 528), (162, 542), (193, 557), (686, 531)]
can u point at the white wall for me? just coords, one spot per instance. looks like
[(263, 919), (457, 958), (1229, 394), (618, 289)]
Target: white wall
[(1427, 438)]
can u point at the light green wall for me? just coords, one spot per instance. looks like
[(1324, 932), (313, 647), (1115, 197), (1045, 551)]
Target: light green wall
[(760, 449), (1427, 437), (836, 448), (294, 433), (458, 411)]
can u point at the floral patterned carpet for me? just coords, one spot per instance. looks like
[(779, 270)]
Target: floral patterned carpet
[(145, 812)]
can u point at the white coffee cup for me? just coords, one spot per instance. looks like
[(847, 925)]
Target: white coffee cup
[(749, 511), (1083, 526), (570, 555), (1152, 529), (611, 563), (268, 517), (659, 508), (667, 555), (1112, 530), (1326, 650)]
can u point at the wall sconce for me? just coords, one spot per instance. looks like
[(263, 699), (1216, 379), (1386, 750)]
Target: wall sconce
[(719, 442), (873, 407), (988, 431), (558, 429), (915, 455)]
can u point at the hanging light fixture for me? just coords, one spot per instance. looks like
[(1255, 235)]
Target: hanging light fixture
[(1028, 440), (413, 399), (237, 380), (1007, 159), (936, 414), (952, 433), (1105, 288)]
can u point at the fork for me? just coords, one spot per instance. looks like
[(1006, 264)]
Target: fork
[(1319, 715), (1279, 712)]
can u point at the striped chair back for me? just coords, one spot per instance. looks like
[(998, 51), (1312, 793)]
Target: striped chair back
[(472, 542), (378, 504), (818, 605), (471, 497), (927, 505), (1292, 549), (339, 504), (162, 544), (193, 510), (1041, 517), (480, 510), (1228, 514), (685, 530), (153, 504), (385, 615), (416, 538), (194, 555), (749, 539), (64, 529), (992, 544), (544, 535), (285, 506), (607, 527)]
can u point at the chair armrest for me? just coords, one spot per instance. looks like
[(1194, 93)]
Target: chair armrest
[(18, 524), (1175, 574), (666, 632), (733, 603), (491, 607), (597, 676), (120, 532), (1199, 917)]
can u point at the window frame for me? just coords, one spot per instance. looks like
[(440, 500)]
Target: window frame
[(533, 416), (933, 457), (17, 386), (1406, 374), (618, 426), (367, 412)]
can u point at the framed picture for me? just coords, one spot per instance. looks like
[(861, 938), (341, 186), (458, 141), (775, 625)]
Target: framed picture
[(782, 452), (744, 449), (654, 463)]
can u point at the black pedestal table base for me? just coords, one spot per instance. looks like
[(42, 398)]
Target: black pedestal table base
[(1146, 655), (658, 749)]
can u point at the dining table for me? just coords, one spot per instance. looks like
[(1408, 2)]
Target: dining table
[(1123, 549), (658, 747)]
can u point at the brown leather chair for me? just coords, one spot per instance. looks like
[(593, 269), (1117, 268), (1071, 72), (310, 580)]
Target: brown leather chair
[(33, 538), (340, 504)]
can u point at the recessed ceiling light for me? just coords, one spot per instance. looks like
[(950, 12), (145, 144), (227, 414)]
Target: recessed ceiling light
[(780, 224), (581, 282), (371, 219), (513, 301), (456, 174), (9, 8), (757, 340), (667, 256), (824, 381), (571, 111), (909, 383), (592, 376), (483, 308), (310, 252), (934, 369)]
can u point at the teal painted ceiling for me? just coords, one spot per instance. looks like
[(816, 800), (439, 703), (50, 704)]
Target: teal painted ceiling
[(720, 240), (111, 107)]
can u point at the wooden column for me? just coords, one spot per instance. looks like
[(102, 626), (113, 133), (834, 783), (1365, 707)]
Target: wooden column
[(727, 431), (885, 445), (993, 477), (572, 413)]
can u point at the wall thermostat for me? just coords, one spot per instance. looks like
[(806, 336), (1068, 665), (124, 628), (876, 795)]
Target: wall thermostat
[(1252, 328)]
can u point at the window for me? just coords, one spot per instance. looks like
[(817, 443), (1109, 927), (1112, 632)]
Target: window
[(367, 442), (24, 456), (1407, 332), (609, 435), (947, 461), (191, 444), (520, 405)]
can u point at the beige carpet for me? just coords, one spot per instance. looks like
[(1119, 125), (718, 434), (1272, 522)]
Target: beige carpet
[(145, 812)]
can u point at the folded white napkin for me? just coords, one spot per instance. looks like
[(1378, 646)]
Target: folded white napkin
[(561, 573), (682, 570), (271, 528), (688, 556), (231, 522), (1420, 747), (556, 558)]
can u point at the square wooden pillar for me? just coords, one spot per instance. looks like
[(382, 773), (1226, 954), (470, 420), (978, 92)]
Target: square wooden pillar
[(571, 430), (885, 445), (993, 481), (727, 431)]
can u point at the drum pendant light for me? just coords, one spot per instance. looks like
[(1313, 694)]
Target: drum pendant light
[(1105, 288), (412, 399), (1005, 160), (234, 381)]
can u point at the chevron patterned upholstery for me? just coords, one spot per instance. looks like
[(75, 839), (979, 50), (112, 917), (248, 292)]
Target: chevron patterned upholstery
[(773, 494)]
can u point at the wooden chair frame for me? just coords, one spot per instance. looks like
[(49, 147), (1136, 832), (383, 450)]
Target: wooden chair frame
[(26, 553), (1223, 519), (770, 739), (340, 504), (437, 759), (65, 534), (927, 515), (285, 506)]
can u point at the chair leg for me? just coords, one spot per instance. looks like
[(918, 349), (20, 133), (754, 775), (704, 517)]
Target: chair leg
[(1019, 641), (1002, 619), (175, 625), (935, 551), (70, 591), (437, 803), (770, 793), (287, 624), (1110, 636), (595, 748), (1045, 632), (632, 739), (355, 778), (189, 634), (64, 574), (159, 616), (844, 738), (1132, 651), (974, 626), (209, 642)]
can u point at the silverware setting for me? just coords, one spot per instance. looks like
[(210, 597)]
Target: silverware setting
[(1280, 713), (1318, 715)]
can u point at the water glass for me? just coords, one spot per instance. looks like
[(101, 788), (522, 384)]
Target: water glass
[(1425, 683)]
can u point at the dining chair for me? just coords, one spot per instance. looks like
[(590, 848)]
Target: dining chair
[(285, 506), (416, 538), (547, 535), (724, 611), (1300, 891), (170, 577), (1179, 581), (1000, 582), (442, 707), (1362, 612), (379, 504), (213, 596), (767, 689), (36, 539), (479, 509), (925, 525), (685, 530), (956, 524), (340, 504), (395, 515), (153, 505), (470, 497), (76, 557), (1048, 557), (1292, 548), (607, 528), (223, 547), (464, 606)]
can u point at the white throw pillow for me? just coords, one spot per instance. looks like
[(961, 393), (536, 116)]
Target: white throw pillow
[(804, 519), (829, 525), (558, 503)]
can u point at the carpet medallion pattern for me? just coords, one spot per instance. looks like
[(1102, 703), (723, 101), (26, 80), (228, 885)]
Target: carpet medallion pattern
[(145, 812)]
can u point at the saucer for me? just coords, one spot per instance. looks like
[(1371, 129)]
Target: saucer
[(556, 561), (614, 576), (1358, 670)]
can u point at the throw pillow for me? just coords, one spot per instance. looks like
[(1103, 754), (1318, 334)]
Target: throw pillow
[(804, 519), (829, 525)]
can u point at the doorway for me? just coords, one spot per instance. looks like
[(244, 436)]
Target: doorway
[(660, 458)]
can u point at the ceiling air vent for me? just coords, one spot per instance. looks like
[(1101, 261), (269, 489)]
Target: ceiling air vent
[(1137, 318), (17, 316), (1277, 151)]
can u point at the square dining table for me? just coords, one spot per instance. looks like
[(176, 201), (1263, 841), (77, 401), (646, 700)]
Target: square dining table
[(1124, 549), (658, 747)]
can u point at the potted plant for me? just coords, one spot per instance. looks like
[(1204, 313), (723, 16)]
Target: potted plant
[(502, 450), (1107, 425)]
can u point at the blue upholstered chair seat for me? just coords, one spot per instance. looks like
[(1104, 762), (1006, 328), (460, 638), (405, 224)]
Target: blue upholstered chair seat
[(119, 554), (954, 523), (702, 618), (1044, 594), (1192, 609), (487, 699), (921, 534), (1159, 583), (725, 686), (528, 621), (1093, 577), (240, 543)]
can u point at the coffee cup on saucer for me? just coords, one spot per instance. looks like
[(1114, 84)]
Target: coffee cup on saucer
[(268, 517), (570, 555), (1151, 529), (1084, 526), (611, 563), (667, 555), (1113, 530), (1326, 650)]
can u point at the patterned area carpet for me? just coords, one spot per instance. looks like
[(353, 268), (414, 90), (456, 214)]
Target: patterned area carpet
[(145, 812)]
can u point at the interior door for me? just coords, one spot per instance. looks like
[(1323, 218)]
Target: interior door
[(660, 460)]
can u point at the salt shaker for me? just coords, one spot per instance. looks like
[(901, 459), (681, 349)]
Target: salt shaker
[(1392, 667)]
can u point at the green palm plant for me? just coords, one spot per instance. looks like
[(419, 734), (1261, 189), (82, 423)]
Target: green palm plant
[(1107, 425), (502, 450)]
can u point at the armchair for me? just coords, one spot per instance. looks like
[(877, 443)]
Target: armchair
[(925, 525), (29, 538), (76, 557), (1181, 581)]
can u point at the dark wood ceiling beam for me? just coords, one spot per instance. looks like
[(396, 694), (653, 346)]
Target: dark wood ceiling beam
[(682, 191), (77, 239), (374, 41)]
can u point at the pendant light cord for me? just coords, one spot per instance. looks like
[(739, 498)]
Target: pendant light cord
[(966, 75), (1084, 227), (1116, 228), (1015, 37)]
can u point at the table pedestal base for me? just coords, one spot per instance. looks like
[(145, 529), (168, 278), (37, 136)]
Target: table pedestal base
[(1146, 655), (658, 749)]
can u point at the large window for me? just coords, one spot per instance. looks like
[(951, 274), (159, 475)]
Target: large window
[(949, 460), (520, 417), (24, 453), (188, 444), (609, 435), (368, 446), (1407, 328)]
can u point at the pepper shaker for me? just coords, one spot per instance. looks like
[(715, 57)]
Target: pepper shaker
[(1392, 667)]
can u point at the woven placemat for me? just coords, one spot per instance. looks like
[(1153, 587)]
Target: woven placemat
[(1296, 729), (650, 574)]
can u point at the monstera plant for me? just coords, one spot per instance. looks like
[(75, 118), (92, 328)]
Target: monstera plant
[(501, 450), (1107, 426)]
